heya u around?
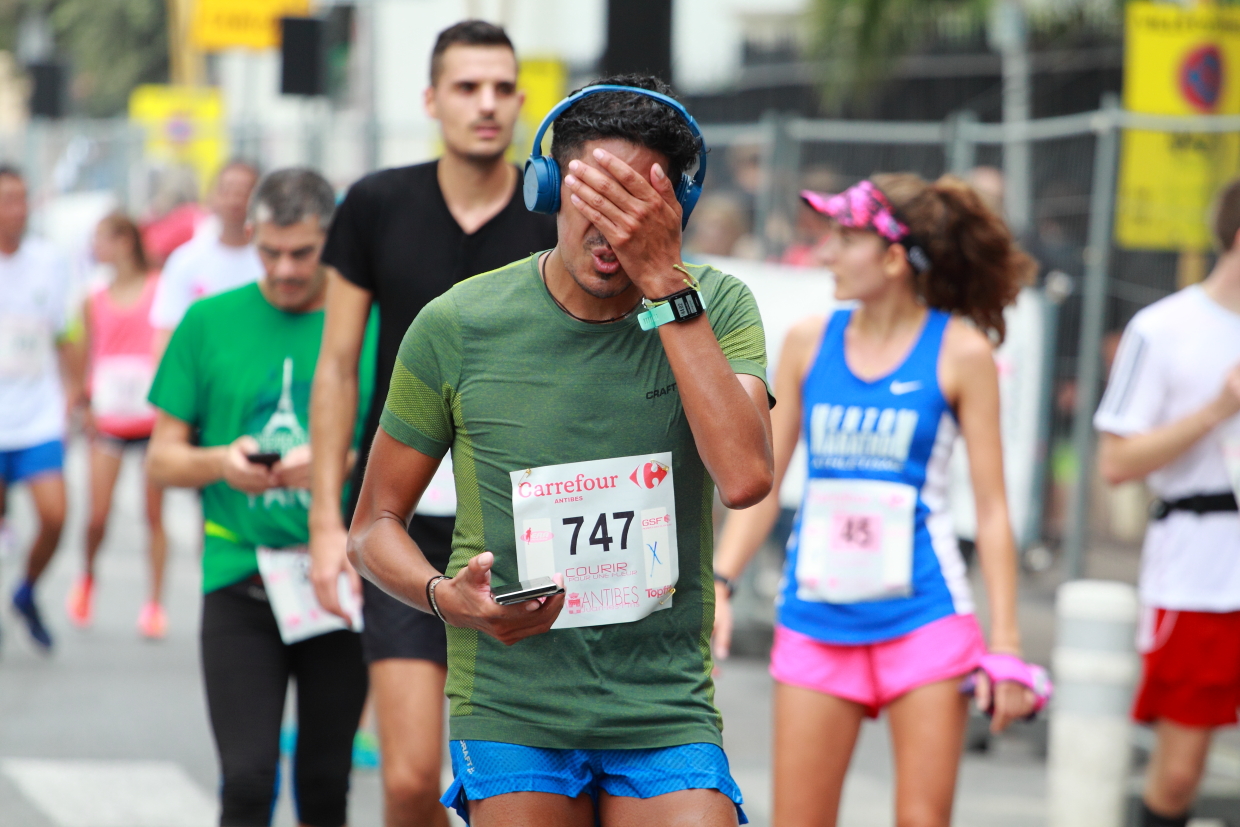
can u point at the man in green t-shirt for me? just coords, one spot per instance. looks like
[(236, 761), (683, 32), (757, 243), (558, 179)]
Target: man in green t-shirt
[(587, 438), (233, 394)]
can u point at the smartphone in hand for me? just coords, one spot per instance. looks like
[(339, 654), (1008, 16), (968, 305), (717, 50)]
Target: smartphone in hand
[(525, 590), (269, 459)]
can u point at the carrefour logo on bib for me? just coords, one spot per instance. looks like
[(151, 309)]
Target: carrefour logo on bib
[(649, 474)]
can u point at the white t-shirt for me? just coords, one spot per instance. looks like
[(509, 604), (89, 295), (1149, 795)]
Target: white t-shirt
[(201, 267), (34, 311), (1172, 362)]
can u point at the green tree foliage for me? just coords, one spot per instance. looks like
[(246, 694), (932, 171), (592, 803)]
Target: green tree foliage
[(112, 46), (857, 42)]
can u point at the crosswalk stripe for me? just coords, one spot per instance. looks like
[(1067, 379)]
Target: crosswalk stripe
[(112, 793)]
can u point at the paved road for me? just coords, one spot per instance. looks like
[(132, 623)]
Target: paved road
[(111, 731)]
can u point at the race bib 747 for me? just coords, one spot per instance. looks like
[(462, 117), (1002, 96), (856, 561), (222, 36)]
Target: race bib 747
[(608, 526)]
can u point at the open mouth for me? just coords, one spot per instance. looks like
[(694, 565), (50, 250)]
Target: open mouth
[(605, 261)]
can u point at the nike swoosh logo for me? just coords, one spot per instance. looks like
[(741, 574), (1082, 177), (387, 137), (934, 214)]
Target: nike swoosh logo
[(901, 388)]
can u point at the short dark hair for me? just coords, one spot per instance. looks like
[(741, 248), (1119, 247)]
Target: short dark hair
[(286, 196), (466, 33), (12, 171), (1225, 219), (630, 117)]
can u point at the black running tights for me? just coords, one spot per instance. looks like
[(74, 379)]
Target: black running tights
[(247, 669)]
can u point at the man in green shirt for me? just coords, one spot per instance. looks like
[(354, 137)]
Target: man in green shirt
[(587, 444), (233, 393)]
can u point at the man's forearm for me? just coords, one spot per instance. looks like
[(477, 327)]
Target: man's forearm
[(181, 465), (1124, 458), (333, 405), (384, 554), (731, 434)]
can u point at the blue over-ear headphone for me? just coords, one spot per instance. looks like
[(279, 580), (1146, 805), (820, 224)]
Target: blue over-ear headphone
[(542, 173)]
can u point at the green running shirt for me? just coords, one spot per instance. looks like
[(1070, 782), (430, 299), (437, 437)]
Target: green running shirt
[(237, 365), (494, 370)]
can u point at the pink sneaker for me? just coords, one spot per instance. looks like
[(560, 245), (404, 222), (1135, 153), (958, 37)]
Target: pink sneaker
[(80, 605), (152, 621)]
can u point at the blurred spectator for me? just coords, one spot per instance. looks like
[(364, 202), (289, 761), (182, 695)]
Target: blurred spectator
[(719, 228), (811, 226), (210, 264), (120, 363), (988, 181), (175, 213)]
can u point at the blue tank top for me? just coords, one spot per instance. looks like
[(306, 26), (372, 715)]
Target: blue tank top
[(896, 429)]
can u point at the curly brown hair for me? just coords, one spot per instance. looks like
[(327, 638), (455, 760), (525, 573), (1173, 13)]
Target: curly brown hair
[(976, 267)]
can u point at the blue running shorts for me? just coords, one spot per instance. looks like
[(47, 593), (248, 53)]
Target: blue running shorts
[(483, 769), (23, 463)]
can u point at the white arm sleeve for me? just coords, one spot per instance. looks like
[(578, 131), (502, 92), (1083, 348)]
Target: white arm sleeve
[(1136, 392)]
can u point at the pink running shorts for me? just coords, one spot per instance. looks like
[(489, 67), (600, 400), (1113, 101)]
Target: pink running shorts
[(875, 674)]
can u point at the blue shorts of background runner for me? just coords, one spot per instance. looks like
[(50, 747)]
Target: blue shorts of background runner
[(23, 463), (484, 769)]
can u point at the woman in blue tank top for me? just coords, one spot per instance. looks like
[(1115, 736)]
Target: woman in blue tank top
[(875, 610)]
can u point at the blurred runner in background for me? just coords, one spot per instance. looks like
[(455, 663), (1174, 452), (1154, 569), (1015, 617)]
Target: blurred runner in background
[(401, 238), (237, 371), (210, 264), (876, 611), (36, 387), (120, 364), (1169, 416)]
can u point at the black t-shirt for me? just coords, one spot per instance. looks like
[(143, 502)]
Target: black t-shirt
[(394, 236)]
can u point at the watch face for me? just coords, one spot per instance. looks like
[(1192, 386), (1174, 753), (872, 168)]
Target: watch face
[(686, 305)]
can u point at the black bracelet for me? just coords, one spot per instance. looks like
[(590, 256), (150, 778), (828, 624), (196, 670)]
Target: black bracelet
[(730, 585), (430, 594)]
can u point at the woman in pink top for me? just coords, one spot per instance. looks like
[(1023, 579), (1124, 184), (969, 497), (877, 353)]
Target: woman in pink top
[(120, 366)]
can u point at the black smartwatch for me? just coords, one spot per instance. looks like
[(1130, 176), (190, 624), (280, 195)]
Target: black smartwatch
[(678, 307)]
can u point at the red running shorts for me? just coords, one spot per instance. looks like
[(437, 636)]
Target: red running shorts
[(1191, 672)]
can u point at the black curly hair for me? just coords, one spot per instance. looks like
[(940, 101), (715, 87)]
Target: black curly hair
[(630, 117)]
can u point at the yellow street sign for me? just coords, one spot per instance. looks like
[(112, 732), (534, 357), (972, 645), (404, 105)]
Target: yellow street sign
[(544, 82), (249, 24), (184, 125), (1177, 61)]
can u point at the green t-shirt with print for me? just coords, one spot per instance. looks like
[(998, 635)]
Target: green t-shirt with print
[(237, 365), (494, 370)]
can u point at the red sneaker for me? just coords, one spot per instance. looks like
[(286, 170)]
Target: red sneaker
[(152, 621), (80, 604)]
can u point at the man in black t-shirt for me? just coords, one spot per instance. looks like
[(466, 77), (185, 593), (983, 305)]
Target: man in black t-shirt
[(401, 238)]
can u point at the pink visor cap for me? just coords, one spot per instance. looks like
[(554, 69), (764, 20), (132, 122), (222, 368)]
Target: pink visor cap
[(864, 207)]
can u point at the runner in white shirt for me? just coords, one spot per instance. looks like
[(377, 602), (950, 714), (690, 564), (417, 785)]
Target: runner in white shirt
[(210, 264), (1170, 415), (34, 301)]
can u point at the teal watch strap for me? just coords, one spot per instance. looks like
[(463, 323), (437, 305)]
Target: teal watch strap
[(660, 313), (655, 315)]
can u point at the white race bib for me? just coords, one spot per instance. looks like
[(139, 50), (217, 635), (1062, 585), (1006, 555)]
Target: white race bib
[(439, 498), (609, 527), (25, 347), (286, 577), (1231, 455), (120, 386), (856, 541)]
